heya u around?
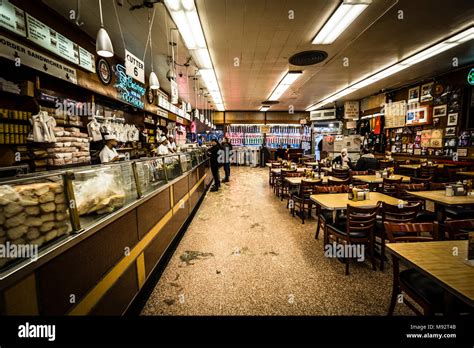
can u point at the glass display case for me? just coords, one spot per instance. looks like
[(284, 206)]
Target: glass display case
[(186, 162), (33, 215), (102, 190), (172, 166), (151, 174)]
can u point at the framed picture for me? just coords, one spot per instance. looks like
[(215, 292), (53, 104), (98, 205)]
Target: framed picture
[(453, 119), (417, 116), (440, 110), (426, 92), (436, 122), (450, 132), (462, 152), (414, 94)]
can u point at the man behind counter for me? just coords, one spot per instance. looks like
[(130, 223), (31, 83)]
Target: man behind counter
[(108, 153)]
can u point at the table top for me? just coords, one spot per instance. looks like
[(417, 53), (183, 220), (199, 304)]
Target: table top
[(417, 166), (465, 173), (297, 180), (311, 163), (436, 259), (339, 201), (372, 179), (439, 196), (278, 170)]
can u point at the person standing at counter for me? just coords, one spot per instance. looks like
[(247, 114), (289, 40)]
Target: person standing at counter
[(213, 153), (163, 148), (227, 147), (200, 140), (171, 144), (108, 153)]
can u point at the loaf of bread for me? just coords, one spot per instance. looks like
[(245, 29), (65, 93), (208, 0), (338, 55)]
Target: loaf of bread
[(32, 233), (15, 220), (60, 199), (17, 232), (46, 226), (51, 235), (33, 221), (48, 207), (48, 197), (47, 217), (12, 209), (39, 241), (33, 210)]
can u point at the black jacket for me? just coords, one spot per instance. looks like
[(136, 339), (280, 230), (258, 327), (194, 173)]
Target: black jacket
[(366, 163), (213, 153), (227, 148)]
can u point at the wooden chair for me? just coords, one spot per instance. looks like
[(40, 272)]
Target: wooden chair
[(271, 177), (341, 173), (427, 171), (337, 182), (394, 213), (383, 164), (424, 291), (279, 179), (284, 186), (323, 214), (451, 173), (358, 172), (389, 186), (402, 193), (358, 229), (436, 186), (458, 229), (302, 200), (424, 181)]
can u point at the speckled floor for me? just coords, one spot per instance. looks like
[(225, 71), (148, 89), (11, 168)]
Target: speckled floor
[(244, 254)]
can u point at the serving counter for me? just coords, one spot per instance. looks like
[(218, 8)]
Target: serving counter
[(98, 232)]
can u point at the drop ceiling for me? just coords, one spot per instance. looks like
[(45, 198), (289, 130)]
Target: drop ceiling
[(250, 42)]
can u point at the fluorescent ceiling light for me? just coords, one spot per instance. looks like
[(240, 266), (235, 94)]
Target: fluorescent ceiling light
[(345, 14), (284, 84), (186, 18), (443, 46), (264, 108), (220, 107)]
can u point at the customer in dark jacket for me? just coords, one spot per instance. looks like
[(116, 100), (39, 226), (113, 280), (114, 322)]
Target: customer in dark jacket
[(280, 152), (227, 153), (367, 161), (214, 153)]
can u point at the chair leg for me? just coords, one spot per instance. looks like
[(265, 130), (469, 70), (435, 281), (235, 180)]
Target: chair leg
[(393, 299), (382, 251), (372, 252), (318, 226)]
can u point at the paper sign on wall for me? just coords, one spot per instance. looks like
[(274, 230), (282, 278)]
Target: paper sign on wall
[(351, 110), (174, 92), (134, 67), (29, 57)]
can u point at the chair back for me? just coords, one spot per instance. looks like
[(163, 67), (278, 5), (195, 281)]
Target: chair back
[(389, 186), (276, 165), (330, 189), (361, 220), (459, 229), (292, 174), (404, 195), (358, 172), (338, 182), (340, 173), (400, 214), (411, 232), (308, 187), (452, 176), (427, 171), (424, 181), (383, 164), (432, 186)]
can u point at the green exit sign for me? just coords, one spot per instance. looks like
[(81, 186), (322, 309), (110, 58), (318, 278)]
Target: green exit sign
[(470, 77)]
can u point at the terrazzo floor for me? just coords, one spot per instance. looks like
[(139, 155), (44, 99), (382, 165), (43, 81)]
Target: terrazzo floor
[(244, 254)]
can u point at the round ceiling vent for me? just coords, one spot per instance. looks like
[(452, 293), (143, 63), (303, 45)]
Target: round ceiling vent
[(308, 58), (270, 102)]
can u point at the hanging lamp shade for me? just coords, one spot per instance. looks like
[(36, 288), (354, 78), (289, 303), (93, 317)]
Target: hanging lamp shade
[(103, 45), (153, 80), (189, 108)]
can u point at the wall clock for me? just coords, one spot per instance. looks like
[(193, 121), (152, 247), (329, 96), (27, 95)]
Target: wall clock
[(104, 71), (150, 95)]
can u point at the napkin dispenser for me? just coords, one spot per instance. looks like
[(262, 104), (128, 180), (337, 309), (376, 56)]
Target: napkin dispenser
[(459, 190)]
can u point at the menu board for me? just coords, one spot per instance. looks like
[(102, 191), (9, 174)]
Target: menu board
[(351, 110), (12, 18), (86, 60)]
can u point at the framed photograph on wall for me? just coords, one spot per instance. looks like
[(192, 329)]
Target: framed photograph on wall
[(450, 132), (436, 122), (453, 119), (440, 110), (417, 116), (426, 92), (414, 94)]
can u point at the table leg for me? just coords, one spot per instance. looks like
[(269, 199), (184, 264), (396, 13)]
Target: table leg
[(440, 217), (334, 216)]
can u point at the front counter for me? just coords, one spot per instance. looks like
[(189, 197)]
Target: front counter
[(85, 241)]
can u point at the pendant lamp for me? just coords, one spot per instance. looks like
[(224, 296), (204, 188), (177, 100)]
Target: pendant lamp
[(153, 79), (103, 45)]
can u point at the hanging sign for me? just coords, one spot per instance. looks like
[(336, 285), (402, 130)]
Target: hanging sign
[(351, 110), (29, 57), (86, 60), (470, 77), (128, 90), (174, 92), (265, 129), (12, 18), (134, 67)]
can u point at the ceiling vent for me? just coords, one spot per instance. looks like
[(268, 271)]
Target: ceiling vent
[(270, 102), (308, 58)]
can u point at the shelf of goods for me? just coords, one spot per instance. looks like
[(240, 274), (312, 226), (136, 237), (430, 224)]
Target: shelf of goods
[(245, 135), (77, 223)]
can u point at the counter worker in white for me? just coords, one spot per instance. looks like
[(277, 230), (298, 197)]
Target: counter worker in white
[(171, 144), (108, 153), (163, 148)]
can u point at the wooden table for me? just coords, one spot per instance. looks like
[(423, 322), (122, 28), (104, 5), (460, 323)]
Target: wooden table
[(314, 164), (339, 201), (417, 166), (295, 181), (372, 179), (470, 174), (436, 260), (278, 170), (441, 201)]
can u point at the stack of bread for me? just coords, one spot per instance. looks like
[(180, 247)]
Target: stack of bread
[(71, 147), (32, 214)]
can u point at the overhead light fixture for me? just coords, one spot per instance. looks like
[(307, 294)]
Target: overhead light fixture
[(153, 79), (264, 108), (186, 18), (284, 84), (103, 44), (345, 14), (453, 41)]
